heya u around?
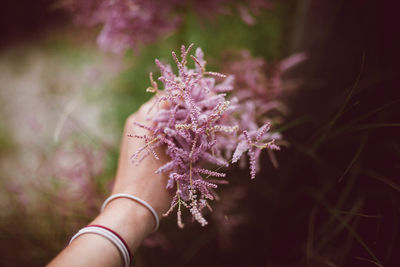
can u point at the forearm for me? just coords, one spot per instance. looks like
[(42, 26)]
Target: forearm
[(130, 220)]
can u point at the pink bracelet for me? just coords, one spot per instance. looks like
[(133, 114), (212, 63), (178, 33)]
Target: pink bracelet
[(112, 236), (115, 233)]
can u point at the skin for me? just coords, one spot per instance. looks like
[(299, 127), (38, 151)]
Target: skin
[(129, 219)]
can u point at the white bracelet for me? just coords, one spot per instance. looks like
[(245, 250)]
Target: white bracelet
[(140, 201), (111, 236)]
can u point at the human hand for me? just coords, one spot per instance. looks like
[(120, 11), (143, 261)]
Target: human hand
[(129, 218), (140, 179)]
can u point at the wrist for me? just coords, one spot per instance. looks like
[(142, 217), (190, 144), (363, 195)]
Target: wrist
[(129, 219)]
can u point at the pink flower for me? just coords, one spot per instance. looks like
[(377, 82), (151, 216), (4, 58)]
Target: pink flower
[(130, 23), (199, 126)]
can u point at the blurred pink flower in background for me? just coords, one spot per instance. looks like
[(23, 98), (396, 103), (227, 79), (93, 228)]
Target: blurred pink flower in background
[(130, 23)]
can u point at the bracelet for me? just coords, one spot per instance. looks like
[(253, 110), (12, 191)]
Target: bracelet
[(140, 201), (112, 236)]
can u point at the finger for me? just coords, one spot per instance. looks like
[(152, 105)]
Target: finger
[(149, 109)]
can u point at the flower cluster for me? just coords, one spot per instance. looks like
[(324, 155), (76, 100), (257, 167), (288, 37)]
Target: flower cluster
[(258, 81), (259, 88), (128, 23), (202, 128)]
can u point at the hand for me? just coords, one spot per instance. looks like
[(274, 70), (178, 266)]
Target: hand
[(130, 218), (140, 179)]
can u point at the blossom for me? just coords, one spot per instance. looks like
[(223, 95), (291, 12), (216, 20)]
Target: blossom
[(259, 86), (129, 23), (200, 130), (253, 142), (126, 24)]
